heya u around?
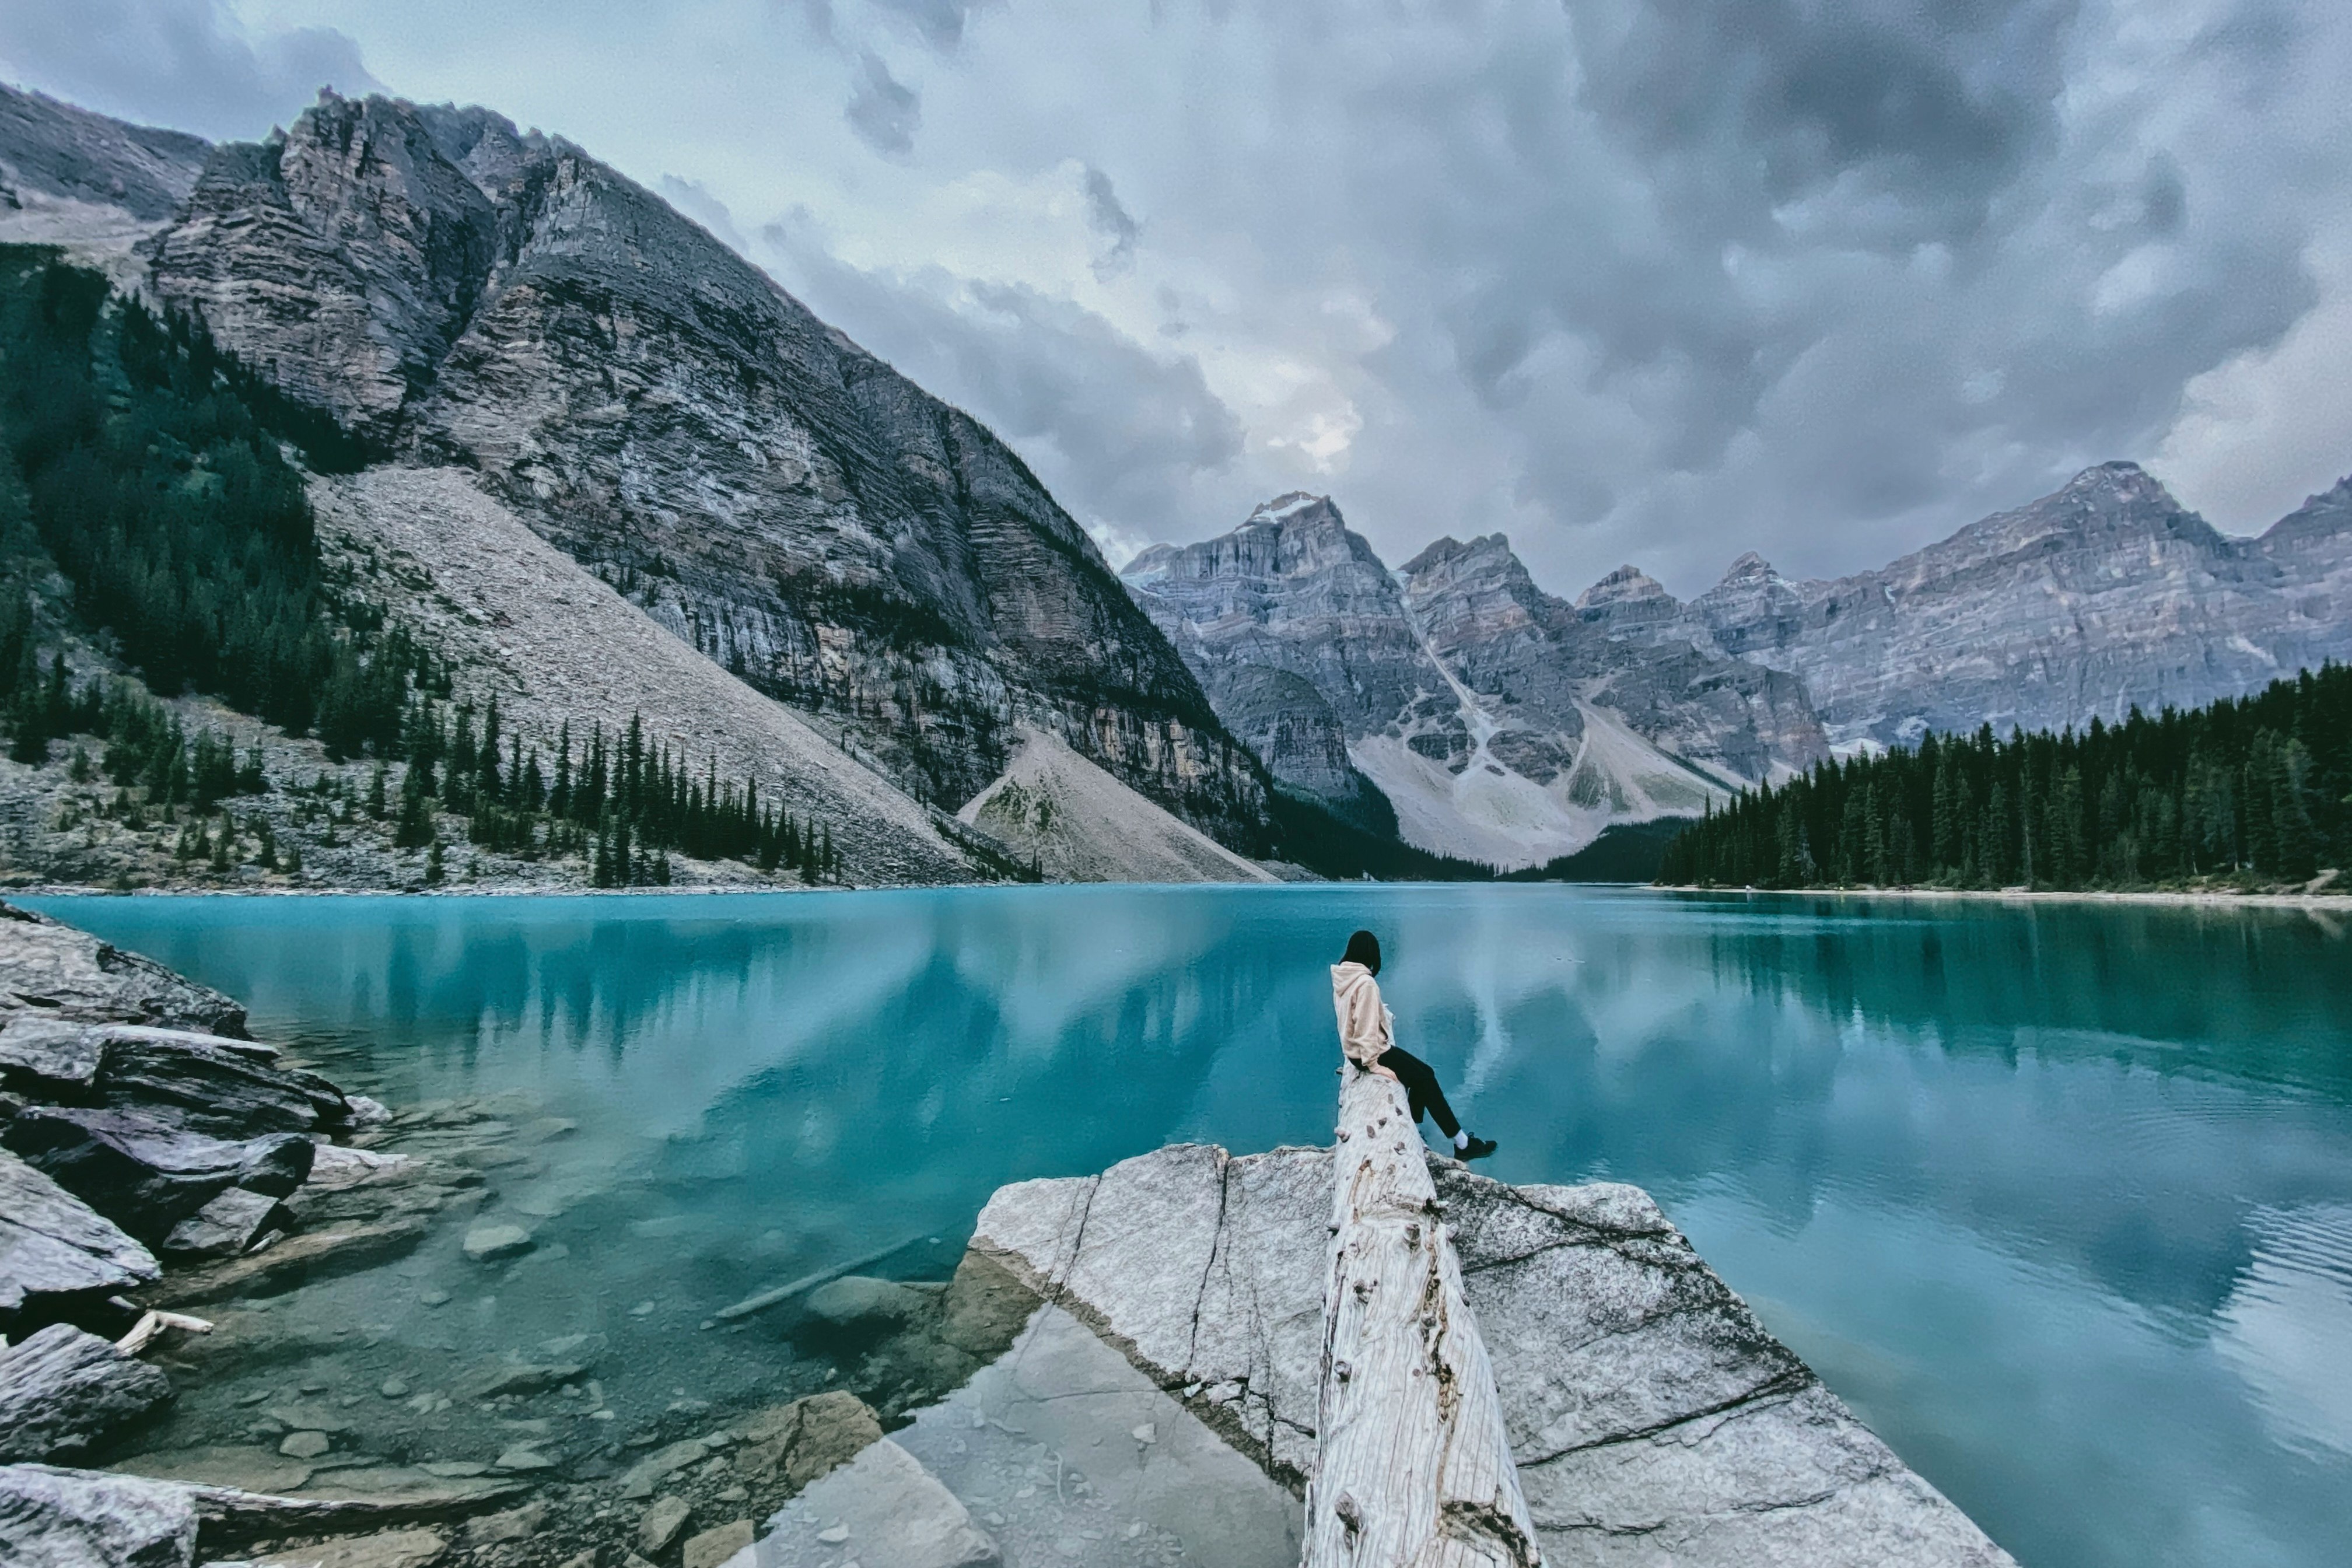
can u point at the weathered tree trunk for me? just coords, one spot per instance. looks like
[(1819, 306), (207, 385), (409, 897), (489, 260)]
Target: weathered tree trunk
[(1412, 1467)]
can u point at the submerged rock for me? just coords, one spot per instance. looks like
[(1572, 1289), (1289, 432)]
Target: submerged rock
[(856, 1301), (1651, 1413), (291, 1261), (715, 1546), (388, 1548), (882, 1507), (53, 1518), (54, 1245), (808, 1437), (63, 1392), (491, 1240)]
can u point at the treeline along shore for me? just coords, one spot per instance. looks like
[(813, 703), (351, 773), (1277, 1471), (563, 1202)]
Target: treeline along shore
[(2250, 795)]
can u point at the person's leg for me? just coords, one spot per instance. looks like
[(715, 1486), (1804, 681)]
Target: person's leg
[(1421, 1090)]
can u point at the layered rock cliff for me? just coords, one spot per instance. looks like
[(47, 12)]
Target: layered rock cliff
[(2106, 595), (460, 293), (1494, 721)]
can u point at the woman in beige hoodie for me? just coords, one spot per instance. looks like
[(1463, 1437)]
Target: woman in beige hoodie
[(1368, 1040)]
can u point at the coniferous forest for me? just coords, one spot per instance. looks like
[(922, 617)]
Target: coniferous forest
[(146, 470), (2250, 793)]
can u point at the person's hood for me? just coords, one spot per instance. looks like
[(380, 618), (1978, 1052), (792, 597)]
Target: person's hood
[(1348, 977)]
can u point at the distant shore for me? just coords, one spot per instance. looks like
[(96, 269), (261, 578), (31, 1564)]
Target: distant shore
[(2330, 899)]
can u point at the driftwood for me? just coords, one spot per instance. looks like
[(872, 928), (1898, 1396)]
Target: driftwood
[(1414, 1469)]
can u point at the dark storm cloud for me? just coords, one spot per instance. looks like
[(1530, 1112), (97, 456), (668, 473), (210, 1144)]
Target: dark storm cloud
[(185, 64), (881, 110)]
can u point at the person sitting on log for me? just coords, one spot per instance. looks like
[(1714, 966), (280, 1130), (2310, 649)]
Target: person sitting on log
[(1368, 1040)]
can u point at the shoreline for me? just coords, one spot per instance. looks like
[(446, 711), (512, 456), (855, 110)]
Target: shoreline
[(2154, 897)]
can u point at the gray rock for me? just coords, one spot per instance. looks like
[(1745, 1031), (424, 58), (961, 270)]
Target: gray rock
[(53, 1518), (493, 1239), (389, 1548), (716, 1545), (658, 1466), (523, 1457), (806, 1439), (1649, 1410), (858, 1300), (147, 1171), (515, 1524), (305, 1445), (882, 1507), (49, 969), (54, 1245), (214, 1086), (47, 1057), (519, 1377), (63, 1392), (227, 1226), (664, 1518)]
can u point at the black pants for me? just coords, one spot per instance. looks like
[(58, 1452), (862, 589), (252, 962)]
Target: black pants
[(1421, 1090)]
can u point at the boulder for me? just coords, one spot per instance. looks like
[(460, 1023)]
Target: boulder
[(1651, 1413), (662, 1522), (880, 1507), (51, 969), (53, 1518), (214, 1087), (63, 1392), (52, 1244), (493, 1239), (48, 1059), (147, 1171), (715, 1546), (808, 1437), (859, 1301), (227, 1226)]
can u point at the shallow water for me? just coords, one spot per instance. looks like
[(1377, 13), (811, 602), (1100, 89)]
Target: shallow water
[(2058, 1197)]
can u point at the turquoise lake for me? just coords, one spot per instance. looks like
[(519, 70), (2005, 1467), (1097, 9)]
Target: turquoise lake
[(2059, 1198)]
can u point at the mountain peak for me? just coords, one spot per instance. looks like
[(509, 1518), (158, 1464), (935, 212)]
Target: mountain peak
[(1294, 506), (1626, 586)]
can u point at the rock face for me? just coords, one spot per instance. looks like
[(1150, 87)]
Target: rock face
[(780, 499), (1074, 822), (52, 1518), (54, 1246), (94, 186), (148, 1172), (50, 971), (1454, 703), (1651, 1415), (63, 1392), (2106, 595)]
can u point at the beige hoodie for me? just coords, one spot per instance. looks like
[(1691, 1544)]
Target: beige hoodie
[(1366, 1026)]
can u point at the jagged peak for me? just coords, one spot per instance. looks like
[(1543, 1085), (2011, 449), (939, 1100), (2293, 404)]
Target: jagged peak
[(1293, 506), (1750, 570), (1627, 584)]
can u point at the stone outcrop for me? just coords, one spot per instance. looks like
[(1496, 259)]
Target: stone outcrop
[(1454, 703), (788, 505), (2104, 595), (55, 1518), (50, 971), (149, 1172), (63, 1392), (1650, 1414), (55, 1248)]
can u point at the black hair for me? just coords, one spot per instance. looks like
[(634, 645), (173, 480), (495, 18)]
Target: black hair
[(1364, 948)]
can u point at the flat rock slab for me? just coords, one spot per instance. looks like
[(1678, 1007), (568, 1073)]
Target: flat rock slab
[(51, 969), (882, 1508), (291, 1261), (64, 1391), (387, 1548), (1652, 1417), (53, 1244), (147, 1171), (55, 1518), (1139, 1478)]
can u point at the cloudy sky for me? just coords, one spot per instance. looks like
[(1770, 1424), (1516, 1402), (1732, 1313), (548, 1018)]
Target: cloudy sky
[(1648, 280)]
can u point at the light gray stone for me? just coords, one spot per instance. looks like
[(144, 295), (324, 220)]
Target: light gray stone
[(305, 1445), (51, 969), (389, 1548), (1649, 1411), (716, 1545), (55, 1518), (858, 1300), (881, 1508), (53, 1244), (145, 1171), (63, 1392), (640, 1479), (662, 1520), (494, 1239)]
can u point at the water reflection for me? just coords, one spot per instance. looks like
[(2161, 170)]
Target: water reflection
[(2056, 1194)]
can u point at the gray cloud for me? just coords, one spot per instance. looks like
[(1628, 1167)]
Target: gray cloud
[(186, 64), (1112, 224), (882, 112), (1124, 438), (938, 23)]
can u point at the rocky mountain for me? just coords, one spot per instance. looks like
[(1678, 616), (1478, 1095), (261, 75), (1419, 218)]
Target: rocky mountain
[(463, 295), (1486, 719), (2105, 594), (93, 184)]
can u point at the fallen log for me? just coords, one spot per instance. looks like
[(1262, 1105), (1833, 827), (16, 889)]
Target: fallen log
[(1412, 1467)]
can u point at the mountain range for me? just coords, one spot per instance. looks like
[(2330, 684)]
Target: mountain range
[(555, 381)]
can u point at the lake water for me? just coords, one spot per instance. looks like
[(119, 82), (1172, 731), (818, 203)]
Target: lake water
[(2059, 1198)]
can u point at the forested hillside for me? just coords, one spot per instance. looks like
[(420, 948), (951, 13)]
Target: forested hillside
[(2250, 793)]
